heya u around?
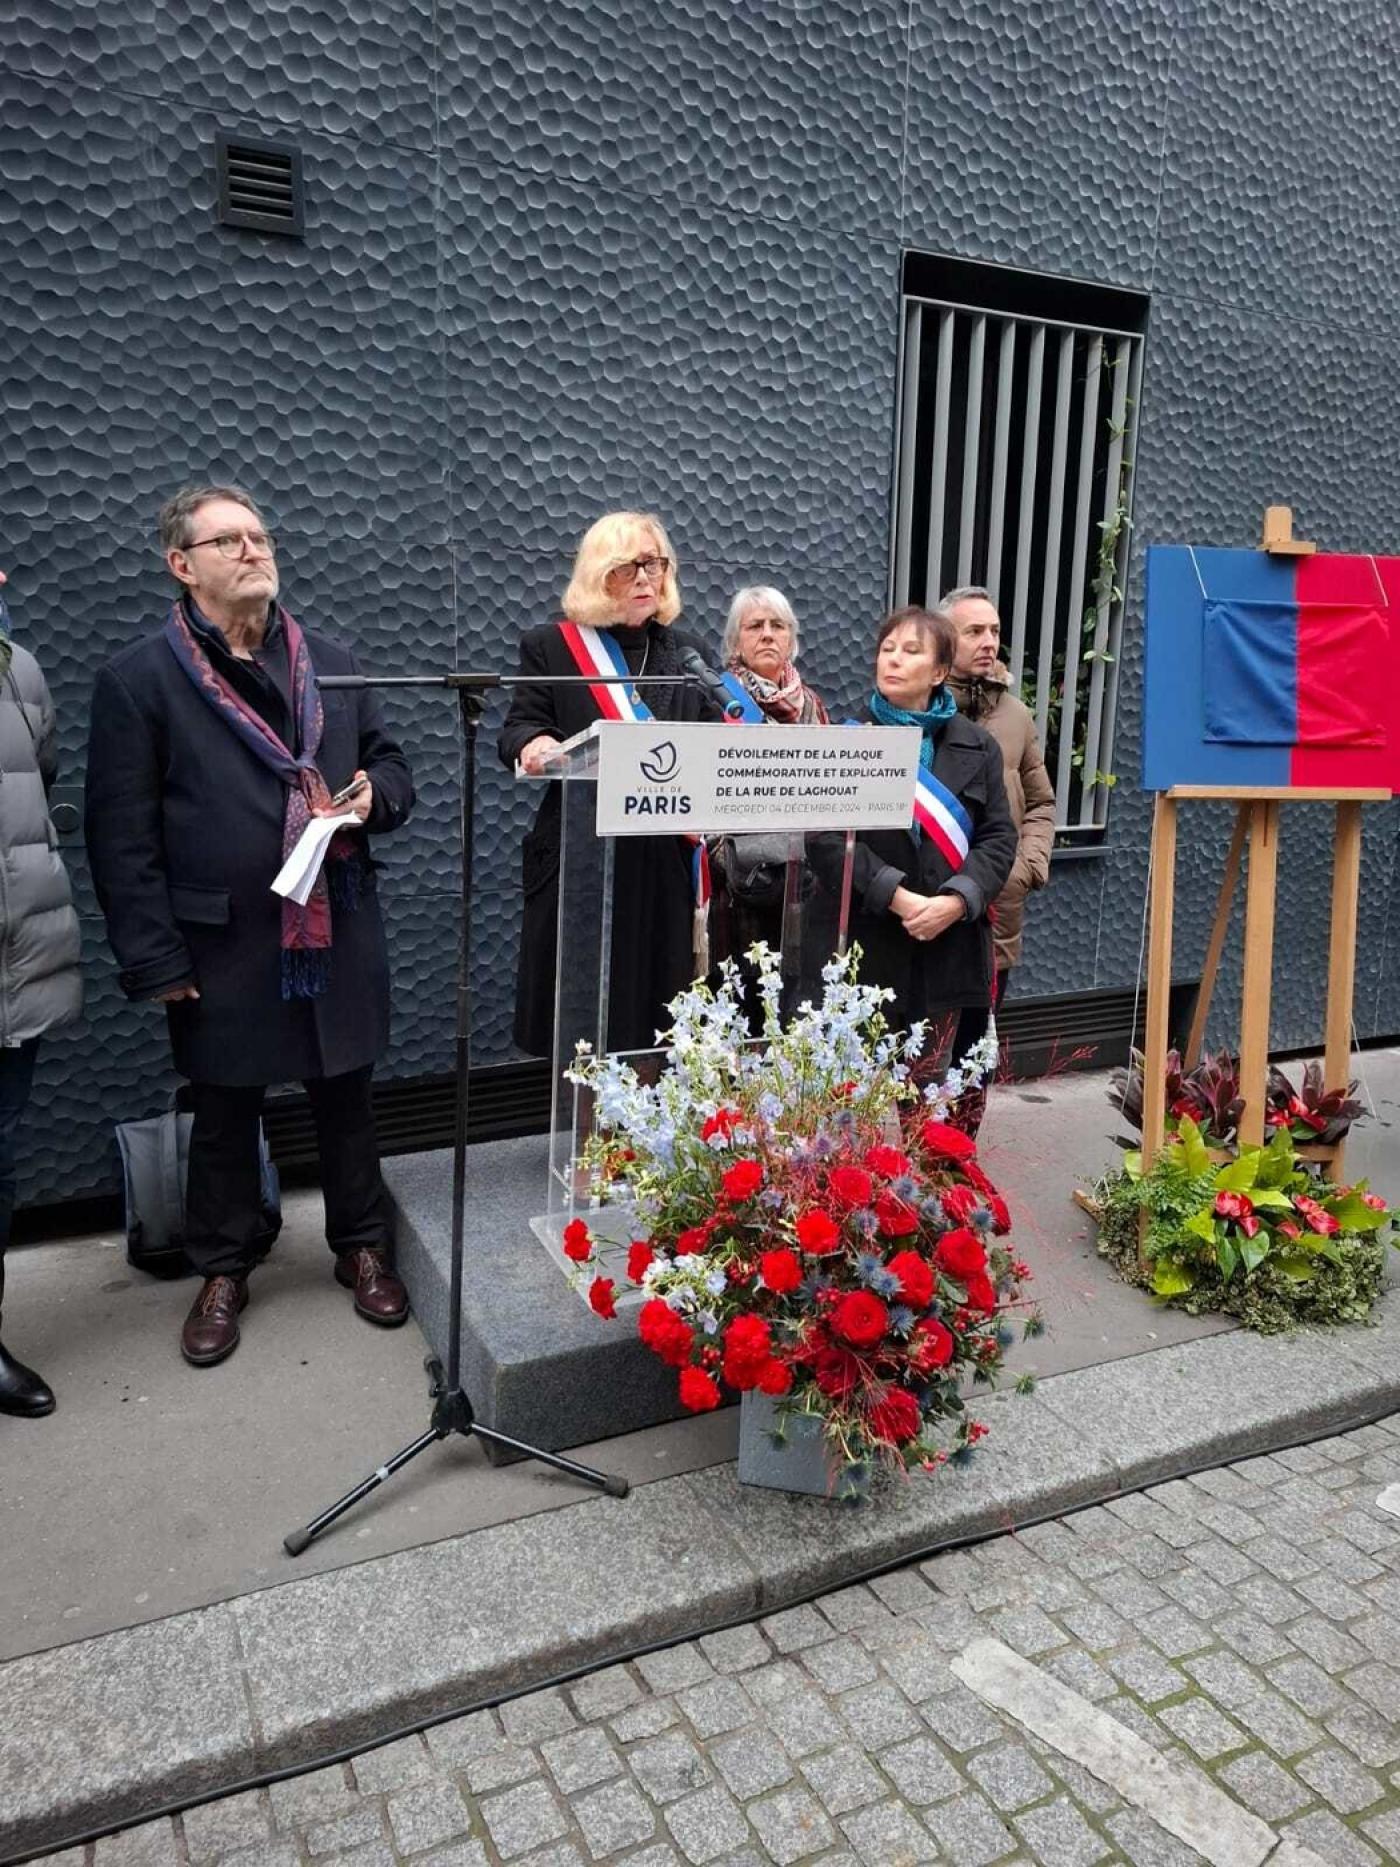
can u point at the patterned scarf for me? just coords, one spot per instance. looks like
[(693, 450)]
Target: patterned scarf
[(786, 700), (306, 931)]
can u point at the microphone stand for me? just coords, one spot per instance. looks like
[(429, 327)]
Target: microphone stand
[(452, 1410)]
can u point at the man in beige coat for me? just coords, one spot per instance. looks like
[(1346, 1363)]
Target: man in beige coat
[(981, 686)]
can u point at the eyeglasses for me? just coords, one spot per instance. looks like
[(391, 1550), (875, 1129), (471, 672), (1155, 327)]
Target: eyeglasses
[(652, 568), (230, 544)]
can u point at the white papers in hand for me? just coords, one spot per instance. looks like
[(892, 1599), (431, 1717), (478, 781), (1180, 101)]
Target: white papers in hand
[(297, 875)]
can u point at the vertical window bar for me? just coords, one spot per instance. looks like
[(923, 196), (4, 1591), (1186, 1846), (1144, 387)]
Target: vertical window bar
[(1115, 632), (1095, 753), (933, 570), (1079, 559), (1035, 374), (1006, 364), (972, 449), (1045, 661), (908, 451)]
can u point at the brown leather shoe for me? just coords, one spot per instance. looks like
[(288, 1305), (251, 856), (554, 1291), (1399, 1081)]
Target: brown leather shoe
[(211, 1328), (379, 1296)]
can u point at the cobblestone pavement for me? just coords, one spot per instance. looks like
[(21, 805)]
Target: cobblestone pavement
[(1246, 1622)]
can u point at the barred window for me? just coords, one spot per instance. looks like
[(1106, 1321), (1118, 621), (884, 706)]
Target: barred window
[(1015, 445)]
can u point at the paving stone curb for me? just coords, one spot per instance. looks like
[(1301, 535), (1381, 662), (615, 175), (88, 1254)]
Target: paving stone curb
[(115, 1727)]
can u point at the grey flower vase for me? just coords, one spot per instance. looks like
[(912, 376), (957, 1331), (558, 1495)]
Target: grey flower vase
[(789, 1452)]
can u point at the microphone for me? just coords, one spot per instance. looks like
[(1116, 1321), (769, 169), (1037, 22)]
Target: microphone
[(712, 681)]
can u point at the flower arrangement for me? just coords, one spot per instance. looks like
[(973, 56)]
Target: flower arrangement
[(815, 1229), (1257, 1232)]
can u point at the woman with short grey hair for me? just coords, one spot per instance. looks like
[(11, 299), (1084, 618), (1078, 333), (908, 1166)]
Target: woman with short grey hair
[(760, 647)]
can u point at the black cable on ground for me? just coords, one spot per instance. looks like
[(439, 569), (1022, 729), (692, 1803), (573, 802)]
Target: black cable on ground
[(971, 1541)]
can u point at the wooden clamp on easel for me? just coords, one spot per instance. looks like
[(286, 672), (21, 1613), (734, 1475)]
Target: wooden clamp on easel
[(1256, 832)]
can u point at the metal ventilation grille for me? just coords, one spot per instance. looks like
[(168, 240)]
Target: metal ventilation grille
[(260, 185)]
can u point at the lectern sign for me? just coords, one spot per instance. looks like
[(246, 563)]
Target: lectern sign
[(656, 776)]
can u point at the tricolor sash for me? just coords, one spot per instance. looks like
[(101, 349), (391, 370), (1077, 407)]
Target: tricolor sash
[(939, 814), (593, 652)]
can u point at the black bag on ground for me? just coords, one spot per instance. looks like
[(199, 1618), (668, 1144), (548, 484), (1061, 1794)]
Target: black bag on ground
[(155, 1158)]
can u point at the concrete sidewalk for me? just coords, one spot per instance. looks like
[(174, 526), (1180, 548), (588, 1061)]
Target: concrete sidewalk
[(105, 1729)]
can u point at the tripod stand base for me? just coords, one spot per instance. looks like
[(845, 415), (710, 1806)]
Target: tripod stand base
[(452, 1413)]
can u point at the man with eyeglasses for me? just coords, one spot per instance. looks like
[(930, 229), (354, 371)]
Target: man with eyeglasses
[(211, 748)]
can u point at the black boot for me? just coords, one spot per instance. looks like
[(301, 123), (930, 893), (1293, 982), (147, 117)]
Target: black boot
[(23, 1392)]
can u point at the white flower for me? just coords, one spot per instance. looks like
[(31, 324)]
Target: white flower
[(715, 1282)]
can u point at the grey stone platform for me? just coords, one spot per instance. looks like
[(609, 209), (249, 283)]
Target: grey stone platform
[(537, 1362), (111, 1728)]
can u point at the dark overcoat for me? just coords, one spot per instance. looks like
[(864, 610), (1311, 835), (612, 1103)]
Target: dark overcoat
[(184, 834), (654, 893), (927, 976)]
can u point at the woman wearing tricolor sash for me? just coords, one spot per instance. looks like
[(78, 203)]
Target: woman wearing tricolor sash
[(618, 610), (919, 897)]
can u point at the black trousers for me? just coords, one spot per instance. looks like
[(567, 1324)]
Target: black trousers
[(222, 1204)]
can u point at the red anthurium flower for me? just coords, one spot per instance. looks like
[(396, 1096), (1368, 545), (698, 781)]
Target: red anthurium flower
[(602, 1293), (887, 1161), (896, 1219), (669, 1337), (849, 1187), (1234, 1206), (1287, 1229), (915, 1276), (781, 1271), (817, 1232), (722, 1122), (639, 1256), (1374, 1201), (1249, 1225), (860, 1318), (1317, 1217), (961, 1254), (698, 1390), (930, 1345), (743, 1179), (577, 1244), (896, 1418), (941, 1138)]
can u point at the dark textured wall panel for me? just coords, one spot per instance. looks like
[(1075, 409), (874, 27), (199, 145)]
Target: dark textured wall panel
[(563, 257)]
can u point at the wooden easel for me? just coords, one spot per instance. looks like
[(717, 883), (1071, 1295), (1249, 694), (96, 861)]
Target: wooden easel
[(1256, 831)]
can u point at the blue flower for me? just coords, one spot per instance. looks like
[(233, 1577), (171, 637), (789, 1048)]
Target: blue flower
[(906, 1187), (866, 1222), (901, 1319)]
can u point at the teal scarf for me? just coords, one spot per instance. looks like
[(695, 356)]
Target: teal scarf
[(930, 722)]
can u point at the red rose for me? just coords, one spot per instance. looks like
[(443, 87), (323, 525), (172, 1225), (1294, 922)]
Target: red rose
[(896, 1418), (667, 1335), (896, 1219), (915, 1276), (577, 1244), (849, 1187), (781, 1271), (974, 1176), (930, 1345), (980, 1293), (961, 1255), (692, 1241), (887, 1161), (1001, 1215), (743, 1179), (818, 1232), (722, 1122), (775, 1378), (860, 1318), (748, 1347), (601, 1297), (948, 1142), (958, 1203), (698, 1391)]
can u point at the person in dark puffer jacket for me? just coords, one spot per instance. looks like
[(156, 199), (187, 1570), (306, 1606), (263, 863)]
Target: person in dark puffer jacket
[(41, 984)]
